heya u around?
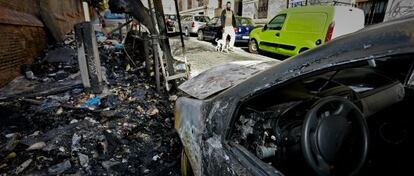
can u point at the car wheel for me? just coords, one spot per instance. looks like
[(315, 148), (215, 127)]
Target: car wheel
[(200, 35), (186, 169), (253, 48)]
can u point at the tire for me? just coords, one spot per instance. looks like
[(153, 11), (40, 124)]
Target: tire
[(186, 169), (200, 35), (253, 47)]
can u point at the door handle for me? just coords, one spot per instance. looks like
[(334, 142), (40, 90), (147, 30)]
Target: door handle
[(277, 34)]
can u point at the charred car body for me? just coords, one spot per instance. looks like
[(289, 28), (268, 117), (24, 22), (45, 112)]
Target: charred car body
[(340, 109)]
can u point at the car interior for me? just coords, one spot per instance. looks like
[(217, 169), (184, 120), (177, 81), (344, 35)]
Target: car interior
[(352, 120)]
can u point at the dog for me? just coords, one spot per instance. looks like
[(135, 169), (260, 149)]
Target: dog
[(222, 46)]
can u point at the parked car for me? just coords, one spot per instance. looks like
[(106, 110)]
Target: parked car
[(191, 23), (171, 23), (344, 108), (295, 30), (213, 30), (110, 21)]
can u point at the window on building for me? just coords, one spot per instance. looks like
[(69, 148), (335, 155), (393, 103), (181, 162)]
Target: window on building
[(189, 4), (374, 10), (262, 10), (200, 3)]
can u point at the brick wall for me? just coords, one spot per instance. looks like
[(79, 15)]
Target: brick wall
[(26, 6), (22, 30), (18, 45), (22, 38)]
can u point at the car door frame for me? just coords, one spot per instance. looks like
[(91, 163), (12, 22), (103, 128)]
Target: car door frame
[(410, 79), (208, 29), (246, 158), (217, 30), (269, 33), (185, 21)]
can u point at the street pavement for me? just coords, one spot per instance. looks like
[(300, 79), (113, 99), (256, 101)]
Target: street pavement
[(201, 55)]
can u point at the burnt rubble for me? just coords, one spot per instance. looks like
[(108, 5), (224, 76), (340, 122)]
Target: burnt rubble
[(126, 130)]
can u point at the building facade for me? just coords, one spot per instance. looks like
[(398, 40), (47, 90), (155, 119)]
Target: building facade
[(210, 8), (262, 11), (399, 8)]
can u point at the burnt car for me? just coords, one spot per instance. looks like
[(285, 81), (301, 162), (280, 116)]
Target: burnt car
[(343, 108), (213, 30)]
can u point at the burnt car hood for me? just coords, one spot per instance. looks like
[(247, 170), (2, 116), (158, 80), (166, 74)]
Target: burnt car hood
[(222, 77)]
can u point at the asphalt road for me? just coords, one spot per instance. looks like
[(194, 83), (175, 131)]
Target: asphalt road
[(201, 55)]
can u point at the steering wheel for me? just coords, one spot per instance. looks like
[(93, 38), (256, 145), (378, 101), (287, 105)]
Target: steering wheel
[(335, 137)]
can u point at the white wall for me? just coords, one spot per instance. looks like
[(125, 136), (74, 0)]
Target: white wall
[(398, 8), (168, 6), (275, 6), (329, 1), (250, 9)]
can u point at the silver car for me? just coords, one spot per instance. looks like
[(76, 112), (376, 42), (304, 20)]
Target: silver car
[(191, 23)]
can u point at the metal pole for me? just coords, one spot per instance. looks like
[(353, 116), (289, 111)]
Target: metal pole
[(86, 11), (164, 42), (179, 25), (120, 31), (146, 52), (88, 56), (155, 46)]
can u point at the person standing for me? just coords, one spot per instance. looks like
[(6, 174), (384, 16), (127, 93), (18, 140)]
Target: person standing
[(228, 23)]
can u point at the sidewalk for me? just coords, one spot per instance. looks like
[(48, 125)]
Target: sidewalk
[(202, 55)]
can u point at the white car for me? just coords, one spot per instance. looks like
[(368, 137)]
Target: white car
[(191, 23)]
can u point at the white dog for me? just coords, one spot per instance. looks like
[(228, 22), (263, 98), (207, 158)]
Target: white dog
[(222, 46)]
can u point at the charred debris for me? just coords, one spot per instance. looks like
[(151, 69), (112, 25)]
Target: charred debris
[(51, 123)]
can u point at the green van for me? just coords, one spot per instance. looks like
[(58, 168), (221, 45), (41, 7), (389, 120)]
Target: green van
[(295, 30)]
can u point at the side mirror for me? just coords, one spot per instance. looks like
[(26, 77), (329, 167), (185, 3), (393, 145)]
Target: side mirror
[(265, 27)]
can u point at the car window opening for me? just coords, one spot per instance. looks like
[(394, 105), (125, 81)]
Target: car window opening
[(270, 125)]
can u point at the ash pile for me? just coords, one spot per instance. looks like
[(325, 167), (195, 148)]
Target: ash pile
[(51, 125)]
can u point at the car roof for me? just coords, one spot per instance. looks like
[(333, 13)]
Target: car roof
[(385, 39), (329, 9)]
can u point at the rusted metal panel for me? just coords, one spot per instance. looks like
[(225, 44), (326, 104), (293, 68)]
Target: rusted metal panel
[(190, 128)]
